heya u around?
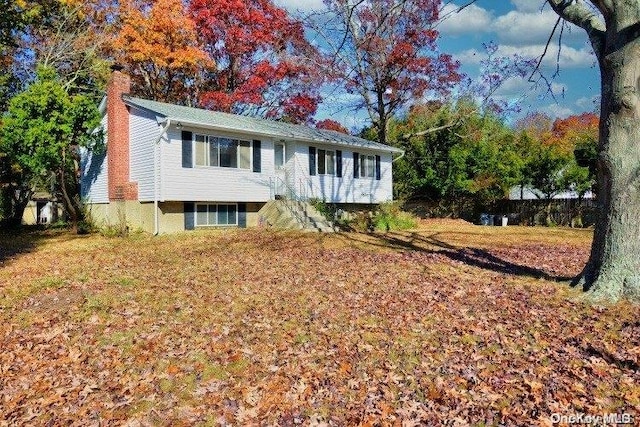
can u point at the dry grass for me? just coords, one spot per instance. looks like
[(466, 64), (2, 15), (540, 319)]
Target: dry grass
[(451, 322)]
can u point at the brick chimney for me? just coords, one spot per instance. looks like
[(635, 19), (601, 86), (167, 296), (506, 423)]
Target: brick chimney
[(118, 138)]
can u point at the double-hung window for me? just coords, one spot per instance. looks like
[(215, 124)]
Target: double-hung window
[(216, 214), (326, 162), (222, 152), (367, 166)]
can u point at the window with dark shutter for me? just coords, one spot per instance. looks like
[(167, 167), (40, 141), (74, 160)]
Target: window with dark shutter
[(257, 159), (312, 160), (187, 149), (356, 165), (339, 163), (189, 216), (378, 168), (242, 215)]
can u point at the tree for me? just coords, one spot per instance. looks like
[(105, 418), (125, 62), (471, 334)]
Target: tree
[(385, 52), (41, 135), (470, 162), (330, 124), (613, 269), (264, 63), (157, 44), (71, 41)]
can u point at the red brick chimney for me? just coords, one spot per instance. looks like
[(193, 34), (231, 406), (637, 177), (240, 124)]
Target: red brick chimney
[(118, 138)]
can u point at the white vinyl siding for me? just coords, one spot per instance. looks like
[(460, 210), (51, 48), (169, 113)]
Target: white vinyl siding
[(215, 183), (345, 189), (93, 181), (144, 130)]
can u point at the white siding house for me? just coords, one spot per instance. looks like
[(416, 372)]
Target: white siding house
[(168, 167)]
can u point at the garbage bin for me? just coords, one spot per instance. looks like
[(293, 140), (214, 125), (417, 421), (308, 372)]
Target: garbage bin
[(484, 219), (497, 220), (504, 220)]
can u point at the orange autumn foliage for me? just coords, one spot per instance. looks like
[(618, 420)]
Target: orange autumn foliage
[(157, 44)]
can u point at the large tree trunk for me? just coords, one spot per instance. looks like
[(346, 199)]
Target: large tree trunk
[(613, 270)]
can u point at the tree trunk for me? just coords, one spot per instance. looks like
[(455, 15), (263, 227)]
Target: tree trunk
[(15, 201), (613, 270)]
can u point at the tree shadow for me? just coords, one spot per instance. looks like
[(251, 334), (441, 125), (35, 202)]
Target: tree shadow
[(471, 256), (20, 240)]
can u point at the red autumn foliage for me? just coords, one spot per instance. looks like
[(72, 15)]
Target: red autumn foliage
[(262, 57), (386, 52), (330, 124)]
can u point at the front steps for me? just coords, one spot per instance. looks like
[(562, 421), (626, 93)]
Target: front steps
[(293, 215)]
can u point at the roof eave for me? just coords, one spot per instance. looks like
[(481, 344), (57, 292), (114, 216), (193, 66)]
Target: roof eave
[(190, 122)]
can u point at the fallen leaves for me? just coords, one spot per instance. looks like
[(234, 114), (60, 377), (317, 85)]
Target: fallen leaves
[(250, 327)]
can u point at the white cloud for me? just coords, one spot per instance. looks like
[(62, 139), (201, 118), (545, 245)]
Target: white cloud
[(557, 111), (522, 28), (588, 103), (569, 56), (472, 19), (300, 6), (528, 5)]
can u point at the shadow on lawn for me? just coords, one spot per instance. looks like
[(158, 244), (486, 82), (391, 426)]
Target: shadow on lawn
[(18, 241), (474, 257)]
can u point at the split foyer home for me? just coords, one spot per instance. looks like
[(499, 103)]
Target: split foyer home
[(168, 167)]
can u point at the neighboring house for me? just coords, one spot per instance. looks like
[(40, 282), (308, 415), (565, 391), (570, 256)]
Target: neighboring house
[(168, 167), (41, 209), (526, 193)]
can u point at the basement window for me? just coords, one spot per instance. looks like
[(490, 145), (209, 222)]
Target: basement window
[(216, 214)]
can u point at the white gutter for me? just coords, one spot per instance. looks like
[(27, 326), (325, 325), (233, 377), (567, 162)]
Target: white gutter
[(234, 130), (156, 177), (399, 157)]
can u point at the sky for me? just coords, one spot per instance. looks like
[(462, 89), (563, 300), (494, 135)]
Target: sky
[(517, 26)]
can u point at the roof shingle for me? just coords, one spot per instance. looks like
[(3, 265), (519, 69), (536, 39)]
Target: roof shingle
[(252, 125)]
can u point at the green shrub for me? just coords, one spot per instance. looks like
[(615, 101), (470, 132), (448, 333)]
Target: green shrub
[(389, 217)]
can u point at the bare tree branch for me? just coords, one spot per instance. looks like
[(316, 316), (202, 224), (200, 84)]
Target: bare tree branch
[(576, 12)]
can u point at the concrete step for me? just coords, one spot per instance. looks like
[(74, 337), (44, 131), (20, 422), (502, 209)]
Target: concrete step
[(293, 214)]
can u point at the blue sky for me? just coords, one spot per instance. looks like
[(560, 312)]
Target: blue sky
[(517, 26)]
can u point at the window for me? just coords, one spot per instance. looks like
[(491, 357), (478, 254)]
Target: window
[(222, 152), (244, 154), (228, 152), (201, 151), (279, 155), (216, 215), (367, 166), (326, 162)]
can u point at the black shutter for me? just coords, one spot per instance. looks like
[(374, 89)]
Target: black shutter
[(187, 149), (356, 165), (189, 216), (242, 215), (312, 160), (339, 163), (378, 168), (257, 159)]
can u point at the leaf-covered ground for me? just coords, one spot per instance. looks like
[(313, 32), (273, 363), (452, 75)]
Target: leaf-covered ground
[(451, 324)]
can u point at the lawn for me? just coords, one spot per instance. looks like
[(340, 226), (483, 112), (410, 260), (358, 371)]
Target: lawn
[(449, 324)]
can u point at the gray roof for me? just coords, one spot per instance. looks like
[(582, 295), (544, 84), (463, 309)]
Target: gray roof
[(252, 125)]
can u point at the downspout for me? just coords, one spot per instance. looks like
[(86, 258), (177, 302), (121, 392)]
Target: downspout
[(156, 177)]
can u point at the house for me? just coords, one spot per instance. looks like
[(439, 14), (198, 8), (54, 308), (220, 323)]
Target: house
[(168, 167), (42, 208)]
